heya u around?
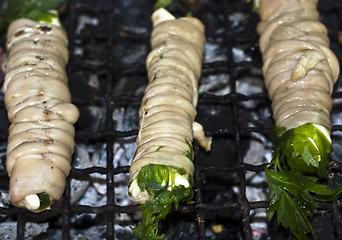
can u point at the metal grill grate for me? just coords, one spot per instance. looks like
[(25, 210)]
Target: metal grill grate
[(109, 41)]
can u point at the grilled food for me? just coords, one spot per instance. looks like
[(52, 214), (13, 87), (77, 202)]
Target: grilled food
[(300, 71), (37, 98), (161, 170)]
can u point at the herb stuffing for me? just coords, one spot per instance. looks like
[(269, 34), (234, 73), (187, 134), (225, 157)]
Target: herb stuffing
[(38, 10), (159, 182)]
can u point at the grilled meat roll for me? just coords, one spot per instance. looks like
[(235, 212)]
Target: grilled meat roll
[(162, 168), (37, 98), (300, 71)]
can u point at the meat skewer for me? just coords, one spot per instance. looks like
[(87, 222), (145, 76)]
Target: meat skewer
[(161, 170), (300, 71), (38, 101)]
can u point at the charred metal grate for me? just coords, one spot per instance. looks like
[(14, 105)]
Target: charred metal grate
[(109, 41)]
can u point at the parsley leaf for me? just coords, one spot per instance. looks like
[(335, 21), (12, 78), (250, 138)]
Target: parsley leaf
[(305, 148), (292, 203), (299, 155), (32, 9), (162, 4), (44, 200), (189, 153), (156, 179)]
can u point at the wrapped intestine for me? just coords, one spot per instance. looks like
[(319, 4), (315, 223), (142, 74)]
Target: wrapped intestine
[(38, 101)]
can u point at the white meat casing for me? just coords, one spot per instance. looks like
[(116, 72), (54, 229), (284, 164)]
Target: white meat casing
[(299, 68), (168, 107), (37, 98)]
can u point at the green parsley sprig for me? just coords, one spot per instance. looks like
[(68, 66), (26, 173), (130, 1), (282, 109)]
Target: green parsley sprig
[(156, 179), (299, 155), (32, 9)]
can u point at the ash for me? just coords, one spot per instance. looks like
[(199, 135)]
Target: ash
[(8, 230)]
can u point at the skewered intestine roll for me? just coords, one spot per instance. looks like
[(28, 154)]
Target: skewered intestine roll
[(37, 98), (168, 108), (162, 168), (300, 71)]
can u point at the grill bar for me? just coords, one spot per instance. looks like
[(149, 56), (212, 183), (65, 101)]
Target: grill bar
[(66, 211), (109, 126), (234, 101), (198, 182), (21, 227)]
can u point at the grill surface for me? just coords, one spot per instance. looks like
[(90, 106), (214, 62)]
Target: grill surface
[(109, 41)]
